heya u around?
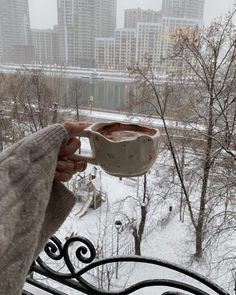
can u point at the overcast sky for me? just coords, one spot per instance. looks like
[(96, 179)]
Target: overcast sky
[(43, 13)]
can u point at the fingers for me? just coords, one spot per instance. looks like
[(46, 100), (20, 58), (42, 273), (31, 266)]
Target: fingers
[(66, 169), (72, 146), (62, 176), (74, 128), (70, 166)]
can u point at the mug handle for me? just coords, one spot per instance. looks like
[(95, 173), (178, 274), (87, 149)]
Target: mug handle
[(77, 157)]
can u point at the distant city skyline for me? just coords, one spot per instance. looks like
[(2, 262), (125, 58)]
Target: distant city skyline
[(16, 43), (42, 18)]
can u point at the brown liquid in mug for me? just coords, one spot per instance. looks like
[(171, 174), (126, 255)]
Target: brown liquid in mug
[(119, 132)]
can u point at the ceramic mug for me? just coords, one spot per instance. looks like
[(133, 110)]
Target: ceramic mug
[(121, 149)]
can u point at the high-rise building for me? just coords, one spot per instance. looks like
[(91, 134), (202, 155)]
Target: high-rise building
[(191, 9), (84, 33), (16, 44), (151, 35), (105, 18), (46, 46), (171, 28), (149, 43), (67, 13), (178, 16), (138, 15), (79, 23), (125, 44), (105, 53), (117, 52)]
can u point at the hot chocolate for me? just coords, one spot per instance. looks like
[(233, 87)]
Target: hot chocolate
[(123, 150), (120, 132)]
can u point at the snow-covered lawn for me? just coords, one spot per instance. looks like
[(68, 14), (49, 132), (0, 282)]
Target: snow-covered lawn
[(171, 242)]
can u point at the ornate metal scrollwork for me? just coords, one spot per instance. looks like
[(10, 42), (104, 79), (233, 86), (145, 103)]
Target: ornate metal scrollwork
[(56, 251), (87, 254)]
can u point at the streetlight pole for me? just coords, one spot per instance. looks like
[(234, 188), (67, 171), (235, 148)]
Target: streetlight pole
[(118, 226)]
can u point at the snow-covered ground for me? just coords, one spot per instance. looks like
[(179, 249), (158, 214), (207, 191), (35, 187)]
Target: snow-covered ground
[(171, 242), (167, 244), (135, 119)]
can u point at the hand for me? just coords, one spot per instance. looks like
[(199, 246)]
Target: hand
[(66, 167)]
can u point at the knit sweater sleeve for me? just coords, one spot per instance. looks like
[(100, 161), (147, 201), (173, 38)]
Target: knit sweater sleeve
[(32, 204)]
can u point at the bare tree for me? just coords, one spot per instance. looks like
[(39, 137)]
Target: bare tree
[(150, 198), (207, 76), (138, 227), (77, 91), (30, 101)]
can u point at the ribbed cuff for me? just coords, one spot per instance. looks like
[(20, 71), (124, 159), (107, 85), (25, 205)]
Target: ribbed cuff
[(45, 140), (59, 207), (61, 202), (66, 196), (51, 134)]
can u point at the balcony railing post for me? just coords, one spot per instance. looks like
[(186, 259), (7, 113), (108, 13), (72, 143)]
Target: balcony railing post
[(72, 277)]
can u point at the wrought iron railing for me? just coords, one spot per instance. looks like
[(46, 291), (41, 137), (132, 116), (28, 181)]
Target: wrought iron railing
[(86, 253)]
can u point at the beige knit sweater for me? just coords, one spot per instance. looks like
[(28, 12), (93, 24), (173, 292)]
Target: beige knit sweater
[(32, 205)]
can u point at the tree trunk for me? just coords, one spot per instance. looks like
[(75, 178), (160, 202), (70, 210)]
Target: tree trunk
[(137, 247), (199, 242), (138, 232), (137, 242), (181, 211), (205, 182)]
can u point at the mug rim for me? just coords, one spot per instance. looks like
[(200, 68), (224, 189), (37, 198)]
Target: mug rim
[(102, 124)]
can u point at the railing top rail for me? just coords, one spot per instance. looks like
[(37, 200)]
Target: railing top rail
[(87, 255)]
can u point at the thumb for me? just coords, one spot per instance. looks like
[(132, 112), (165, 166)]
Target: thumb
[(74, 128)]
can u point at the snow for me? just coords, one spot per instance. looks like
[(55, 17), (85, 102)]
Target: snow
[(71, 72), (137, 119), (167, 244), (169, 240), (34, 290)]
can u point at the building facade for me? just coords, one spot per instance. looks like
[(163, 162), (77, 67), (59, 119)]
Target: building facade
[(79, 23), (125, 47), (105, 53), (179, 16), (118, 52), (149, 43), (105, 18), (185, 9), (16, 43), (46, 46), (138, 15), (149, 36), (172, 27)]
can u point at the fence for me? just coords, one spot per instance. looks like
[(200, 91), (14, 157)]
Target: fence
[(73, 279)]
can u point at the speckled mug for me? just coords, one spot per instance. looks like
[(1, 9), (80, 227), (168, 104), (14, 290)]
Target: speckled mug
[(124, 158)]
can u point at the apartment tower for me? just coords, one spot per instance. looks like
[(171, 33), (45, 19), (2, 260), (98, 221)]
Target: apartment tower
[(179, 16), (105, 53), (46, 46), (138, 15), (16, 44), (187, 9), (79, 23)]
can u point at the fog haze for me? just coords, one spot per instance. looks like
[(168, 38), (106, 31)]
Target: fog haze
[(42, 18)]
